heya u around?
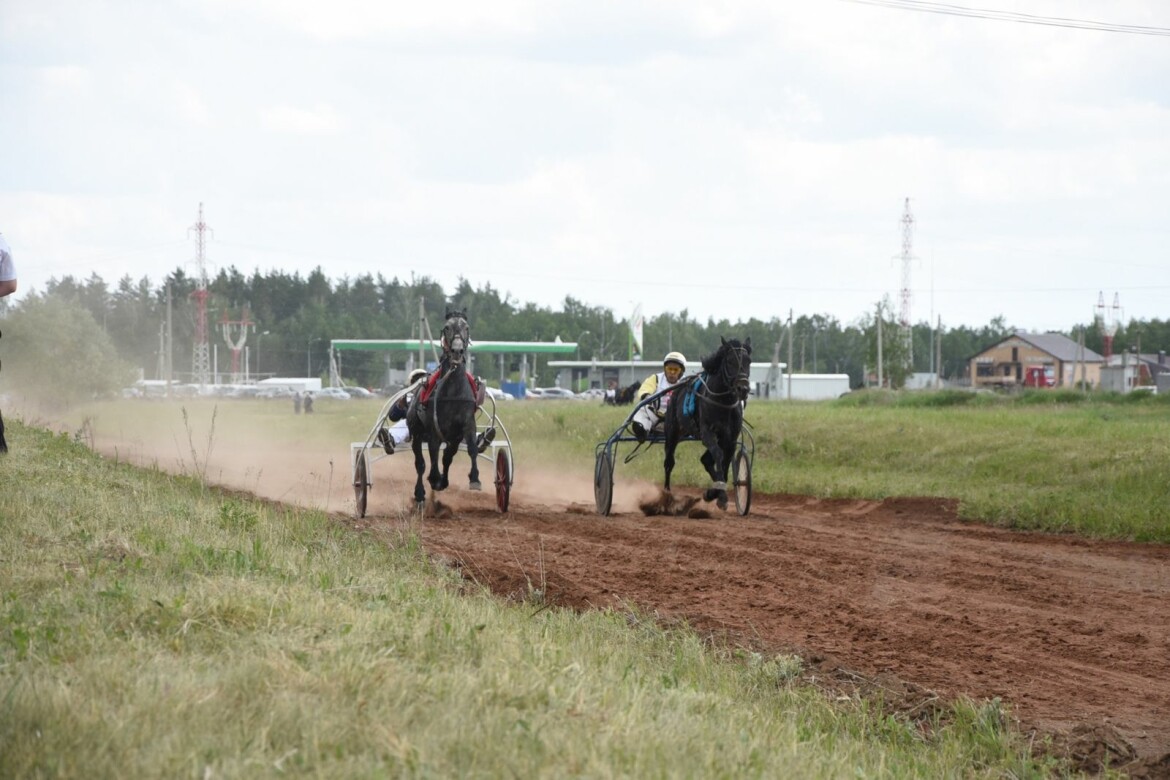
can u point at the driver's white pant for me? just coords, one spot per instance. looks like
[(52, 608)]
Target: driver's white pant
[(648, 418), (399, 432)]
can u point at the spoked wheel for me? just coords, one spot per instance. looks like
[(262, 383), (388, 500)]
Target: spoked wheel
[(503, 479), (603, 483), (361, 484), (742, 473)]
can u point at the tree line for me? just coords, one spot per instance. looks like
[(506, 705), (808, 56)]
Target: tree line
[(79, 338)]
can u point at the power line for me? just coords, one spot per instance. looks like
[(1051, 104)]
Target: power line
[(1012, 16)]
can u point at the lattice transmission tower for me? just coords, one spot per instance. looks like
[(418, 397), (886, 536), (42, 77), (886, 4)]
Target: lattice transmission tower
[(201, 354), (907, 258)]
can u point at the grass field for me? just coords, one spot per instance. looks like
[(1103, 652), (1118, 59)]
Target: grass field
[(151, 626)]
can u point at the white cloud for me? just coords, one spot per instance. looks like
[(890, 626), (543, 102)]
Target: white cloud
[(319, 119), (607, 150)]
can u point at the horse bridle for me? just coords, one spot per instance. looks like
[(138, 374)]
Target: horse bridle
[(731, 378), (456, 340)]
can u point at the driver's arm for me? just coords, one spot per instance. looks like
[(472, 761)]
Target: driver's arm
[(648, 387)]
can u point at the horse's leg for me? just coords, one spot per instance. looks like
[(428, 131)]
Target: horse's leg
[(472, 450), (715, 468), (449, 449), (670, 429), (435, 476), (420, 465)]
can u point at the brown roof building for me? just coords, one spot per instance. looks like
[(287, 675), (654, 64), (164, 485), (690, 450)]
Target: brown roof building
[(1035, 360)]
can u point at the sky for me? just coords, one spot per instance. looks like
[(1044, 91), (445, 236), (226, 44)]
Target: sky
[(727, 159)]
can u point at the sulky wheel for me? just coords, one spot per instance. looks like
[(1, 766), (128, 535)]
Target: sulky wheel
[(742, 474), (503, 479), (603, 483), (361, 484)]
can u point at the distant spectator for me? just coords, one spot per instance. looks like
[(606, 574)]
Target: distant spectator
[(611, 393), (296, 402), (7, 269), (308, 402), (7, 287)]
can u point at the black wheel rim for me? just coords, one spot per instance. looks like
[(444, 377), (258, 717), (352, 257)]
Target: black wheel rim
[(360, 486), (743, 483), (503, 481), (603, 483)]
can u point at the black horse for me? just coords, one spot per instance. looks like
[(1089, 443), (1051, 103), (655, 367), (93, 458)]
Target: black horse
[(710, 406), (448, 416), (625, 395)]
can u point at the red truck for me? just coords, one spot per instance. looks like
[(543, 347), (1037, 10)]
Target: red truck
[(1039, 376)]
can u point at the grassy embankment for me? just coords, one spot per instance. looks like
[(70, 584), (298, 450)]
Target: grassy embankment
[(152, 627)]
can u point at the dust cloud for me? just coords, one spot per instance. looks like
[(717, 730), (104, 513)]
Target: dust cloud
[(238, 451)]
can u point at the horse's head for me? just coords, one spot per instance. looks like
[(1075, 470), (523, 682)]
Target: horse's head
[(732, 363), (456, 337)]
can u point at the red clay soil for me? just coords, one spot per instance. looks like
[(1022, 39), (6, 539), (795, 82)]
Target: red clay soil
[(898, 596)]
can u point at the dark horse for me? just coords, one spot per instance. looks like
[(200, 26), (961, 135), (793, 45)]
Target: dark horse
[(448, 416), (710, 406)]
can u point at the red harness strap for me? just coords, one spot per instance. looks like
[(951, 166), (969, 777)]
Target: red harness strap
[(433, 379)]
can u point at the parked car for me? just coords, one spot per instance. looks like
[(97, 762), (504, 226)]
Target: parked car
[(358, 392), (554, 393), (592, 394), (497, 394), (331, 392)]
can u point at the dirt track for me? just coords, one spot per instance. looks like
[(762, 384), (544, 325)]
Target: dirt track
[(1073, 634), (899, 595)]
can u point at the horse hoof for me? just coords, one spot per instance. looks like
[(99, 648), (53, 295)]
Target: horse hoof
[(721, 502), (475, 486), (710, 494)]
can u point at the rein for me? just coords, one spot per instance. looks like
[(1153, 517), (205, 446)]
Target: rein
[(708, 396)]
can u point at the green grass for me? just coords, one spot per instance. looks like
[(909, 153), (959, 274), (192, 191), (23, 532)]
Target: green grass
[(153, 627)]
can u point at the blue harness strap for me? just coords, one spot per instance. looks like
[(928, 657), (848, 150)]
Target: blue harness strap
[(688, 409)]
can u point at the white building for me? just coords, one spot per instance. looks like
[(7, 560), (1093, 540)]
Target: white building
[(768, 380)]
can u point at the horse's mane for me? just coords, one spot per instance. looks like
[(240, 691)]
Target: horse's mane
[(715, 359)]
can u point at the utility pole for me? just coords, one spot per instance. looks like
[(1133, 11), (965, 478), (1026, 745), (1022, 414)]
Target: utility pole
[(170, 350), (907, 257), (938, 355), (881, 382), (790, 354), (200, 360)]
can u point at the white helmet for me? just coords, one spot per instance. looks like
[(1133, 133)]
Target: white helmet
[(676, 358), (416, 375)]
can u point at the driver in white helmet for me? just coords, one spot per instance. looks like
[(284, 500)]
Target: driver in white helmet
[(398, 433), (649, 417)]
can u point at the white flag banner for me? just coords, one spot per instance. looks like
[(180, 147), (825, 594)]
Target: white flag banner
[(636, 329)]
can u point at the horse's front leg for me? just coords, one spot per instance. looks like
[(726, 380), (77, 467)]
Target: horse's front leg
[(668, 458), (420, 465), (435, 477), (472, 450), (716, 463)]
